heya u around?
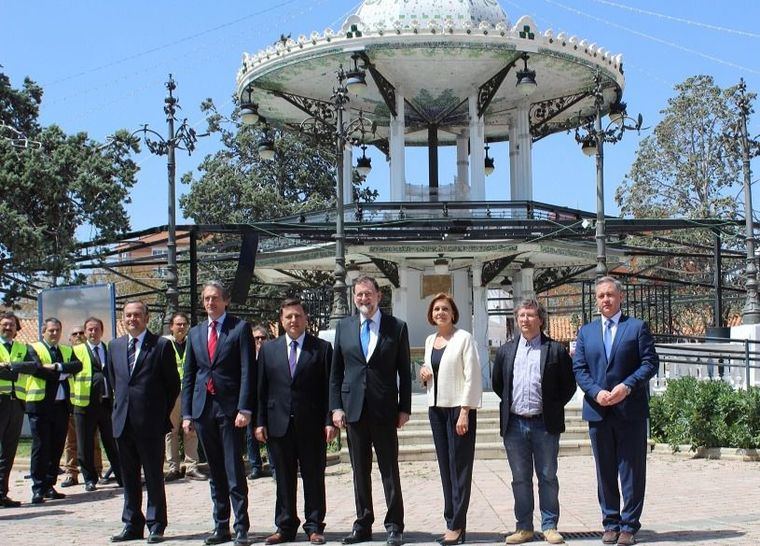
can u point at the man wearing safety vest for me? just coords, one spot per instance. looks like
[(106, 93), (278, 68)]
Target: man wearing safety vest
[(92, 397), (12, 394), (48, 408), (179, 326)]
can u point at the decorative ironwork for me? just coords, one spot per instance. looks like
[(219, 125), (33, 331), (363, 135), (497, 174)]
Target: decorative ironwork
[(488, 90), (387, 91), (383, 145), (557, 276), (389, 269), (320, 109), (492, 268), (546, 110)]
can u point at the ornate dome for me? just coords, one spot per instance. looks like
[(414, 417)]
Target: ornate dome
[(457, 13)]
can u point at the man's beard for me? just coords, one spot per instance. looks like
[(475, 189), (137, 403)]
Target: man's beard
[(365, 310)]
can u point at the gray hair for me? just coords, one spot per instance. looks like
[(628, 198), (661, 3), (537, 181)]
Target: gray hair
[(609, 280), (365, 279), (139, 302), (219, 286), (530, 303)]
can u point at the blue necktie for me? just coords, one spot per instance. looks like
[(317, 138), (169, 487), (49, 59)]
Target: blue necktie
[(365, 337), (292, 360), (608, 337)]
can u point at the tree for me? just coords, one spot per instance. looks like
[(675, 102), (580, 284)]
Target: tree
[(49, 192), (687, 168)]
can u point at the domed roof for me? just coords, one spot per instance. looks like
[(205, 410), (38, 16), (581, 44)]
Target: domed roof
[(459, 13)]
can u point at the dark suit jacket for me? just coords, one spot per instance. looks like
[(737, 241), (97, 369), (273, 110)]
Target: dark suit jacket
[(633, 361), (305, 396), (52, 381), (384, 384), (145, 398), (557, 382), (233, 368)]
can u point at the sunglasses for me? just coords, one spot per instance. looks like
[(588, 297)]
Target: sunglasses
[(259, 338)]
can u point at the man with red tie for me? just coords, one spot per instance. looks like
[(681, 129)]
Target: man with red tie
[(218, 389)]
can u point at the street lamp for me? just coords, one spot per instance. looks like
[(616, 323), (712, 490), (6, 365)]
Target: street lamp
[(750, 148), (183, 138), (592, 137)]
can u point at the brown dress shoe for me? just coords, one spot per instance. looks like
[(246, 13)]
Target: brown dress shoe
[(610, 537), (626, 539), (277, 538), (316, 538)]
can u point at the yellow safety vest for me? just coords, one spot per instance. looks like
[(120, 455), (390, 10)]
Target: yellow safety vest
[(180, 359), (35, 386), (17, 354), (80, 383)]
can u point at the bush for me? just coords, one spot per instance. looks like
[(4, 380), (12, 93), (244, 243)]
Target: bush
[(706, 414)]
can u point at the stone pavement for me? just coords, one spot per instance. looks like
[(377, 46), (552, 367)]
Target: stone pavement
[(688, 502)]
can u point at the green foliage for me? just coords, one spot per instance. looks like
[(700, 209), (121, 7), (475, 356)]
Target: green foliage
[(49, 192), (706, 414)]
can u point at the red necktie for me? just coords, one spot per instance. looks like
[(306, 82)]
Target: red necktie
[(213, 337)]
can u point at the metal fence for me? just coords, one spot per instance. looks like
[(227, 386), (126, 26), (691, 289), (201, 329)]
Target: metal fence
[(735, 361)]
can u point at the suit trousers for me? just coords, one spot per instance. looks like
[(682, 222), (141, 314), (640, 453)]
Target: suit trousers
[(223, 445), (189, 442), (48, 437), (11, 421), (147, 453), (303, 447), (456, 455), (96, 417), (620, 449), (363, 435)]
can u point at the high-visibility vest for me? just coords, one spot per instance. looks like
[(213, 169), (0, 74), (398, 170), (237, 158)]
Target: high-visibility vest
[(180, 359), (80, 383), (35, 386), (17, 354)]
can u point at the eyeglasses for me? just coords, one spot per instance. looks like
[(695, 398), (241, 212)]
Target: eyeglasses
[(77, 333), (259, 338)]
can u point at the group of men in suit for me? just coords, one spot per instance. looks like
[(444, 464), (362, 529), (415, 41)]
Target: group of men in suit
[(535, 377)]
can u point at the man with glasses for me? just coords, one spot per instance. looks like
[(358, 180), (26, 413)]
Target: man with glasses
[(260, 335)]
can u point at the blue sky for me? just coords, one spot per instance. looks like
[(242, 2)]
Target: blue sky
[(103, 65)]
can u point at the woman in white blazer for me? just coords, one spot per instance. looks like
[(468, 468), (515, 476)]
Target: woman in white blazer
[(451, 373)]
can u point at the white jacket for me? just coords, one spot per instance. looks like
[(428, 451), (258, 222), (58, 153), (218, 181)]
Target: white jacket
[(459, 379)]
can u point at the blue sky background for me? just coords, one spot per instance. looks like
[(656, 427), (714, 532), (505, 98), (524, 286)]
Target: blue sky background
[(103, 65)]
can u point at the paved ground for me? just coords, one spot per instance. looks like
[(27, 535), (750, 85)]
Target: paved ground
[(688, 502)]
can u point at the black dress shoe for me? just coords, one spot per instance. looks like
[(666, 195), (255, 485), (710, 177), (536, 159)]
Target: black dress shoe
[(357, 536), (155, 537), (89, 486), (5, 502), (53, 494), (127, 534), (218, 536), (37, 499), (241, 538), (395, 538)]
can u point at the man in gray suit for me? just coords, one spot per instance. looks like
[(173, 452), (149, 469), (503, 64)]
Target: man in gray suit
[(371, 395)]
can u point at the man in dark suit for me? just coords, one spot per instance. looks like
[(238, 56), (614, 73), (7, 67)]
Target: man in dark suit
[(294, 419), (92, 397), (142, 371), (218, 397), (371, 395), (614, 360), (533, 376), (48, 407)]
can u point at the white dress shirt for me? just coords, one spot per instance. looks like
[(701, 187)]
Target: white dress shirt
[(374, 331)]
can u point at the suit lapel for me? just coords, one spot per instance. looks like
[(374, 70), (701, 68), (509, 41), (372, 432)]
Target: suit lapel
[(203, 333), (544, 354), (220, 342), (305, 357), (510, 371), (384, 332)]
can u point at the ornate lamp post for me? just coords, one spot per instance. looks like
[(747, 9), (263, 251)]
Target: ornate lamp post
[(329, 126), (182, 138), (750, 148), (592, 137)]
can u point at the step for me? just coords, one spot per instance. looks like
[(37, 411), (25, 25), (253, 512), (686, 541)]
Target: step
[(483, 451), (422, 437)]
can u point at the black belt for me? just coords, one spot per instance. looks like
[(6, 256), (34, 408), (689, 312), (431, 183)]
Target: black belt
[(537, 416)]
